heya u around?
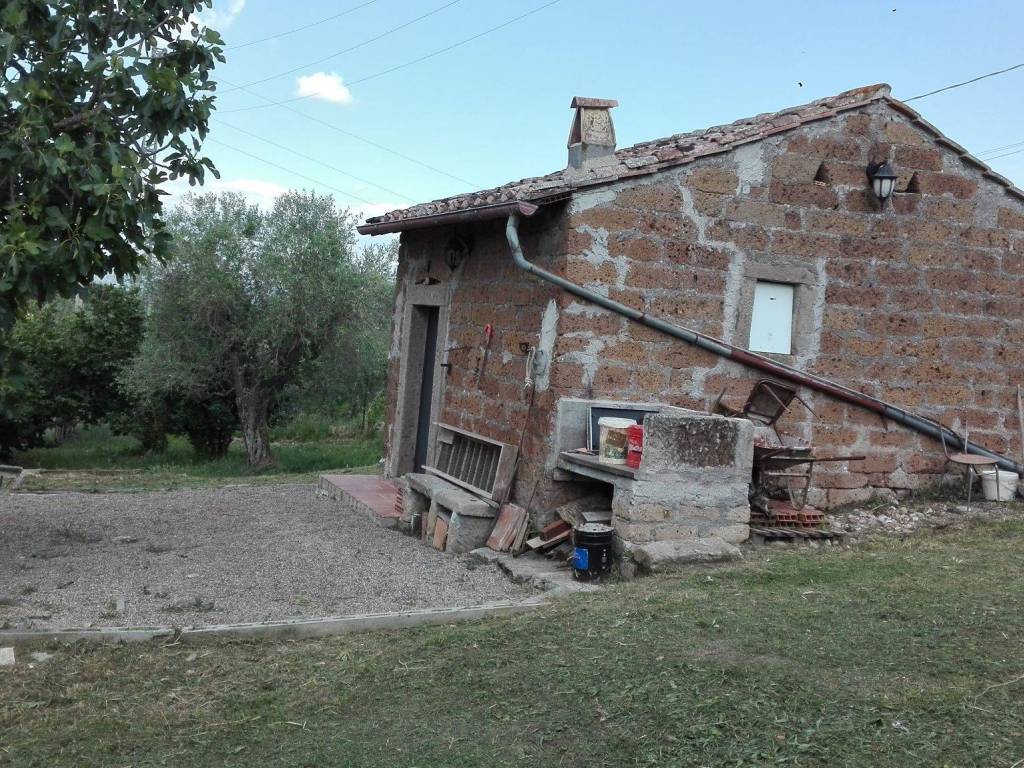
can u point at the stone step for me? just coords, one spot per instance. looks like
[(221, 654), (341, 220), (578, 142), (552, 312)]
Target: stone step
[(369, 495), (662, 556)]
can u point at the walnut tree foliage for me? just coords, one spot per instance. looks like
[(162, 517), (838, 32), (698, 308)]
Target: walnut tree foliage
[(100, 102), (70, 355)]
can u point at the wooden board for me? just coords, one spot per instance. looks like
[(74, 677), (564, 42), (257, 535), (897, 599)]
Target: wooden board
[(538, 543), (503, 536)]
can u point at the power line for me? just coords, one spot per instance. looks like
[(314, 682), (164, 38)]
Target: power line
[(363, 139), (292, 172), (965, 82), (1000, 149), (299, 29), (408, 63), (316, 160), (1005, 154), (336, 54)]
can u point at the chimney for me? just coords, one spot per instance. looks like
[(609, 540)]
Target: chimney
[(592, 136)]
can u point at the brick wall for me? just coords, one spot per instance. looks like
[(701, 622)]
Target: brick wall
[(921, 303)]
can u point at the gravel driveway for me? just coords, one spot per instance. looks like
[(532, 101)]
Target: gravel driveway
[(211, 556)]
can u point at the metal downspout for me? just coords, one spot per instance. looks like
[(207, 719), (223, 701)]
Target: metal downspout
[(781, 370)]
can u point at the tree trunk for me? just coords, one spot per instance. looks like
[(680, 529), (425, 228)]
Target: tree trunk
[(253, 408)]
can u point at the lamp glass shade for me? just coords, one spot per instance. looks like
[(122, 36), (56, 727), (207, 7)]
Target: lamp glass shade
[(883, 186), (883, 180)]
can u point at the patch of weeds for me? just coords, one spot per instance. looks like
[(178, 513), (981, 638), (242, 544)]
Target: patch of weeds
[(955, 491), (74, 535), (157, 549), (112, 609), (195, 605), (26, 590)]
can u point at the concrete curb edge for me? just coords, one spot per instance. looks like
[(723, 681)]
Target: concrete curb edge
[(287, 629)]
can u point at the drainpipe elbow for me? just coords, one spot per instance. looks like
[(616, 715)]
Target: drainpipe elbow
[(512, 236)]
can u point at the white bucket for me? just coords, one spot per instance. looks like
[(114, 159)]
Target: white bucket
[(614, 441), (998, 484)]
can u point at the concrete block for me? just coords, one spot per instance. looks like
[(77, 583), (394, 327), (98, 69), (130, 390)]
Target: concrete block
[(662, 556), (6, 657), (734, 534), (462, 502), (426, 484), (466, 533), (684, 531), (673, 440), (414, 503)]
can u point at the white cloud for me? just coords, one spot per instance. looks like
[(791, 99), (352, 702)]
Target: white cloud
[(221, 16), (324, 85)]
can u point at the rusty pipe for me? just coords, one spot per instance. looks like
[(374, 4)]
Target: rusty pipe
[(746, 357)]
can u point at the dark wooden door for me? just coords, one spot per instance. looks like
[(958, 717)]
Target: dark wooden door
[(425, 415)]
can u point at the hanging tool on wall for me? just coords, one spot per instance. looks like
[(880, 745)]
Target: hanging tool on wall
[(485, 352), (531, 355)]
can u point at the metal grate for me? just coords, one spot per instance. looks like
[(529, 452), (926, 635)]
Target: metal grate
[(473, 461)]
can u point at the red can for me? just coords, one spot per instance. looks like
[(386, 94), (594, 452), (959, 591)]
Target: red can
[(635, 445)]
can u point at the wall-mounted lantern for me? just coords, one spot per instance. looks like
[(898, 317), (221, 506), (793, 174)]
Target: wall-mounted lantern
[(883, 180)]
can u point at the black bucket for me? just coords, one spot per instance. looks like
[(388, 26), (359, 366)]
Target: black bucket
[(592, 551)]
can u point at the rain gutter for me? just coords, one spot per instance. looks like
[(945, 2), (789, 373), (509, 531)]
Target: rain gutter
[(750, 359)]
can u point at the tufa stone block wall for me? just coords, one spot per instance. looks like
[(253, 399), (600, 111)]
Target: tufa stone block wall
[(920, 303)]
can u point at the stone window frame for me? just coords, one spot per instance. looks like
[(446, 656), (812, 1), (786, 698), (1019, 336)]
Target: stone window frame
[(807, 288)]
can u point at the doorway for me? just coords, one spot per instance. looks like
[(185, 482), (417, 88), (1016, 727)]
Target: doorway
[(421, 379), (429, 317)]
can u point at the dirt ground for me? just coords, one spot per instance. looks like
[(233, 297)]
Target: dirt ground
[(215, 555)]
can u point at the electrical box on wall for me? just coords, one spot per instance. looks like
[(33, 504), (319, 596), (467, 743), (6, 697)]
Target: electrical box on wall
[(771, 322)]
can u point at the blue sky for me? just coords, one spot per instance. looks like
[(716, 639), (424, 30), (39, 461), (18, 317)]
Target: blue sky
[(497, 108)]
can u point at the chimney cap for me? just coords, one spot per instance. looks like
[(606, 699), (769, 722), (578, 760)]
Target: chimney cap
[(583, 101)]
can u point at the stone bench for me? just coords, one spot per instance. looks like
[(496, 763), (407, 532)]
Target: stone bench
[(427, 499)]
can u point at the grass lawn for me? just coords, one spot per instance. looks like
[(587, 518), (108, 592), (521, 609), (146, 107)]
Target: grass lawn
[(899, 653), (98, 461)]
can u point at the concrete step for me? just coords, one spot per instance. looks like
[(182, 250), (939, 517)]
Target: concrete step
[(370, 495), (676, 554)]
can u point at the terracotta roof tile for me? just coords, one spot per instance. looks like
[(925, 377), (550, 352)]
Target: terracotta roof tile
[(651, 156)]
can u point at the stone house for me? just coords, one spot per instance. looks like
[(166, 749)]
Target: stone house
[(763, 234)]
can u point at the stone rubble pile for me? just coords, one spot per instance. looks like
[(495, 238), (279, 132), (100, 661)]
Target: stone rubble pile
[(897, 519)]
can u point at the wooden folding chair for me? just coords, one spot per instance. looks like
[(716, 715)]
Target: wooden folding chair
[(765, 404)]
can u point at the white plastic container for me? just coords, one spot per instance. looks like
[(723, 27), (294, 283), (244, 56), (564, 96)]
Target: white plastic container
[(614, 442), (998, 484)]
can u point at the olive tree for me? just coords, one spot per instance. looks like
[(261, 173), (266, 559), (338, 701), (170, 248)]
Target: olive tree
[(350, 375), (100, 103), (249, 297)]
